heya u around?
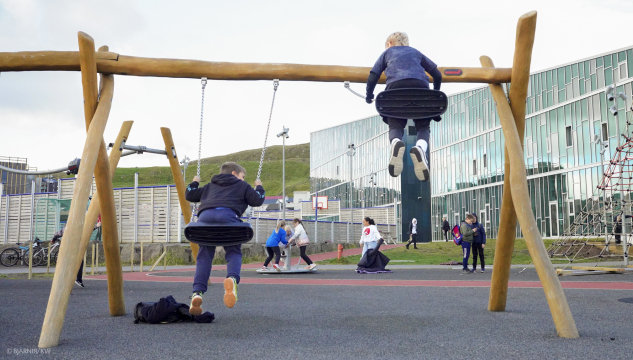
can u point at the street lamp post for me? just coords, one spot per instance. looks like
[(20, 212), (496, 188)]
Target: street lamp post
[(284, 136), (185, 162), (351, 151)]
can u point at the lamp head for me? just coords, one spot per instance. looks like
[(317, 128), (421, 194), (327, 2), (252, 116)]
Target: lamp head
[(622, 96), (614, 110)]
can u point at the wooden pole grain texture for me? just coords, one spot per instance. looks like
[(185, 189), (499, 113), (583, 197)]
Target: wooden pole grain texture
[(112, 63), (103, 180), (504, 248), (93, 209), (66, 270), (556, 299), (179, 181)]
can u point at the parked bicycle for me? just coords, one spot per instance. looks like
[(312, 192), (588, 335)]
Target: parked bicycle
[(12, 256)]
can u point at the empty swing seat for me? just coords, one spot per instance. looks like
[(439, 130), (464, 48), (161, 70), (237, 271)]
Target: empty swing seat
[(218, 234), (411, 103)]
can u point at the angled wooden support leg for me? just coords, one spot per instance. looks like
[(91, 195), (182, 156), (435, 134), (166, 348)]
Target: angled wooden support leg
[(524, 42), (563, 319), (67, 263), (170, 148), (103, 180)]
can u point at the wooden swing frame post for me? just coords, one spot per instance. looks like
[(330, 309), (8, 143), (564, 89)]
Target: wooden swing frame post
[(93, 209), (103, 179), (172, 156), (67, 266), (512, 118)]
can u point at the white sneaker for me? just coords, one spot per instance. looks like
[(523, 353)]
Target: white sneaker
[(312, 266), (264, 268), (397, 154), (420, 164), (277, 267)]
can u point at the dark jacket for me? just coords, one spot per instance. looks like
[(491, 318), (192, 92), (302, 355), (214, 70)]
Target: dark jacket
[(480, 235), (617, 229), (225, 190), (446, 226)]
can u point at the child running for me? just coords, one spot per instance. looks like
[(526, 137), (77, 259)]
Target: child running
[(369, 238), (272, 245), (301, 239), (222, 201), (405, 67)]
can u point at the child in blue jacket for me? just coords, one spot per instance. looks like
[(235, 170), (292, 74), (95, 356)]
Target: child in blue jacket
[(223, 200), (405, 67), (272, 245)]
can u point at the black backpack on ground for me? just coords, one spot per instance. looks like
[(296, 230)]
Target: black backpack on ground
[(166, 311)]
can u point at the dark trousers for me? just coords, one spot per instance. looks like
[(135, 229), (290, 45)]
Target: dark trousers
[(80, 273), (478, 250), (466, 249), (302, 250), (618, 239), (272, 250), (233, 254), (396, 126), (445, 235), (414, 240)]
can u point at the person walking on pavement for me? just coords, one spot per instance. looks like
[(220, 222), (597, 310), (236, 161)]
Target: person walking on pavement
[(413, 231), (445, 227)]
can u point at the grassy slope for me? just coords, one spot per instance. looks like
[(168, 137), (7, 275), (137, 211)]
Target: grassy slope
[(439, 252), (297, 170)]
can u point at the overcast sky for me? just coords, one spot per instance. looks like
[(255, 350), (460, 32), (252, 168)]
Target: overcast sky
[(41, 113)]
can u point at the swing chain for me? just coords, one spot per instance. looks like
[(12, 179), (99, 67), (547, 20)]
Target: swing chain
[(204, 85), (261, 161)]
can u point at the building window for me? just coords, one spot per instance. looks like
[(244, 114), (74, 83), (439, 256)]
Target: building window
[(568, 136), (605, 132), (412, 131), (485, 161), (336, 169), (474, 167)]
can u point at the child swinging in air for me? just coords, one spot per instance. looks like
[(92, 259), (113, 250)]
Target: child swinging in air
[(405, 67), (223, 200)]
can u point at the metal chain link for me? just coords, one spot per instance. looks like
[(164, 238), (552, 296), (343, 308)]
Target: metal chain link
[(261, 161), (204, 85)]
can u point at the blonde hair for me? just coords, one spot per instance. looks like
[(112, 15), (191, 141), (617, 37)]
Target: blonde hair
[(398, 39), (280, 224), (288, 229)]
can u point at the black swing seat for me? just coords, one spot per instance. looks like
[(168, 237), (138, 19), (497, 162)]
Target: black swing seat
[(218, 234), (411, 103)]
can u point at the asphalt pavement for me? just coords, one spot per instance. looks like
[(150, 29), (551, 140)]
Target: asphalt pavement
[(326, 322)]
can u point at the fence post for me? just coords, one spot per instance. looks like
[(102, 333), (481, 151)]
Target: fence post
[(135, 207), (332, 231), (347, 228), (168, 213), (257, 229), (31, 237), (6, 219)]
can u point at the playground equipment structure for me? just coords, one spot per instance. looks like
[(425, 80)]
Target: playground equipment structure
[(516, 201)]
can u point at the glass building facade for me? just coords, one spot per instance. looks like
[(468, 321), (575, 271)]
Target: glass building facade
[(567, 115)]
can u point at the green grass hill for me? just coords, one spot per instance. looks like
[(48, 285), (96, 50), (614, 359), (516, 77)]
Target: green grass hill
[(297, 169)]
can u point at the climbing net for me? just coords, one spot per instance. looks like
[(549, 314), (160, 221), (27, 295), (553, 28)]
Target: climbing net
[(603, 221)]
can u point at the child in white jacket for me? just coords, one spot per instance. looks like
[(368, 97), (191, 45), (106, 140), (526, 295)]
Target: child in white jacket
[(369, 238)]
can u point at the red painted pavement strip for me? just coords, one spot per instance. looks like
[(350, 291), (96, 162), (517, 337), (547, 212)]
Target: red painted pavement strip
[(588, 285)]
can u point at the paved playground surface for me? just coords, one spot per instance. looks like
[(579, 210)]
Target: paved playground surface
[(332, 314)]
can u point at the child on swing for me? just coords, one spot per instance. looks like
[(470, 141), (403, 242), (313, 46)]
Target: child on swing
[(405, 67), (223, 200)]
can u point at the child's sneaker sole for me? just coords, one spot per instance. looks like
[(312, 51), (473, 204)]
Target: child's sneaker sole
[(230, 293), (397, 154), (196, 306), (420, 166)]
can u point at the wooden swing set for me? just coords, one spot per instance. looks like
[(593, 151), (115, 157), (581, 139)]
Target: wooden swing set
[(516, 203)]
